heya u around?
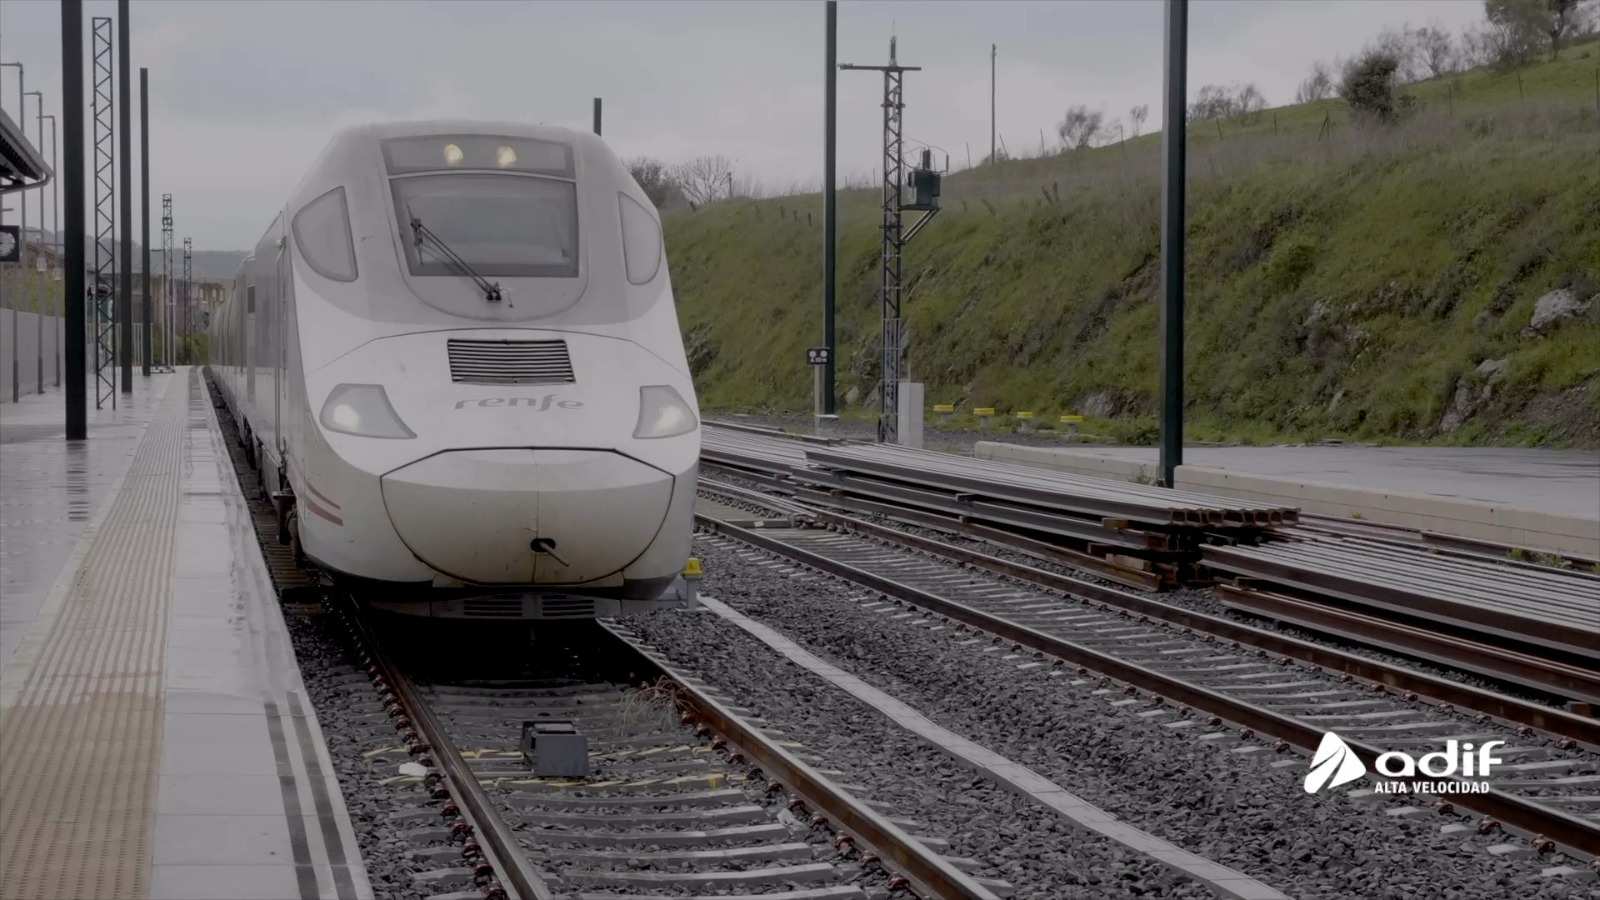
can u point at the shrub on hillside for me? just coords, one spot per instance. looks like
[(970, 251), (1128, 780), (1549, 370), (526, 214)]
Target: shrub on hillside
[(1368, 86)]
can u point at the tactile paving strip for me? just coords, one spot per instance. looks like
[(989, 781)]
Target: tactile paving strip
[(80, 750)]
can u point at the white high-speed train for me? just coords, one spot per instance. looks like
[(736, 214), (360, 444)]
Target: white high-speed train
[(455, 361)]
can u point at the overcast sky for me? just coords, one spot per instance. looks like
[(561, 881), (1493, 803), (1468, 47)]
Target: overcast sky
[(245, 94)]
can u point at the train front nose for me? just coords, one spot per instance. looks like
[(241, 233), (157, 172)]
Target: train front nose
[(557, 517)]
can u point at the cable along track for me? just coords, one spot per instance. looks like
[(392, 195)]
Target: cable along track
[(1543, 790)]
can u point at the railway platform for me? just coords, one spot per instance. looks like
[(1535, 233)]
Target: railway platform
[(156, 740)]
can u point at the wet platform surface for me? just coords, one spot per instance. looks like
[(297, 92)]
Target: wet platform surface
[(158, 742), (1563, 482), (49, 490)]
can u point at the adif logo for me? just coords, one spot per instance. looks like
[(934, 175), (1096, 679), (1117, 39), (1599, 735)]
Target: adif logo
[(1334, 764)]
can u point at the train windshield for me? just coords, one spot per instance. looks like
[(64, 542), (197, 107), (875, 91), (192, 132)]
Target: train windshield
[(502, 225)]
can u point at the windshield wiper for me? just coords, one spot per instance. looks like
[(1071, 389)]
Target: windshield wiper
[(491, 292)]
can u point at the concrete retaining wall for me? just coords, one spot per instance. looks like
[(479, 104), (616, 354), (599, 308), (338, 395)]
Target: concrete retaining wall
[(1499, 523), (30, 328)]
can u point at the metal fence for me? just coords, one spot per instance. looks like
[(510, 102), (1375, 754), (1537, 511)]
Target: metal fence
[(23, 335)]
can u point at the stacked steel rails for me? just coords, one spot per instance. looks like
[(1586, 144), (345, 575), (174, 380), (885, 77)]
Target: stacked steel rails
[(1277, 692), (1507, 621), (1136, 534)]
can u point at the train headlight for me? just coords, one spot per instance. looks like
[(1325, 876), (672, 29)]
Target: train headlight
[(663, 413), (363, 410)]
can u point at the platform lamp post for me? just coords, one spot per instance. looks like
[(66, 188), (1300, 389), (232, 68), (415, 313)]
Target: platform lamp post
[(22, 248), (38, 288)]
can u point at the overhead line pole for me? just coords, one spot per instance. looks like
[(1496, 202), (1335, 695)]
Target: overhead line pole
[(994, 49), (829, 206), (1173, 134), (125, 295), (72, 126), (38, 287), (894, 237), (144, 194)]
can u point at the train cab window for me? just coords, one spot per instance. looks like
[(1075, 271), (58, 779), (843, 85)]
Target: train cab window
[(641, 241), (500, 225), (322, 232)]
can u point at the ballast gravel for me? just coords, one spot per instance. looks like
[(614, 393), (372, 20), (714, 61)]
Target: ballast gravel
[(1239, 811), (1031, 848)]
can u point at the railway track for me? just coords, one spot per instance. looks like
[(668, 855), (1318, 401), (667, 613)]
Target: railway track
[(678, 794), (1275, 700)]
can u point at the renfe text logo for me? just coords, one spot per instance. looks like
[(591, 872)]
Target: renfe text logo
[(1335, 763), (530, 402)]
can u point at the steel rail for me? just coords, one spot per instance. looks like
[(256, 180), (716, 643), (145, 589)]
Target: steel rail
[(770, 432), (497, 837), (1554, 723), (1058, 502), (931, 875), (1054, 553), (1516, 812), (1322, 578), (1497, 663)]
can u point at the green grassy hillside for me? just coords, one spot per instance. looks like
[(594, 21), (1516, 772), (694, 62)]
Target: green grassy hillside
[(1373, 283)]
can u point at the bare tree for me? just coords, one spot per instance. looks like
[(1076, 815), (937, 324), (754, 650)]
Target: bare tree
[(1137, 115), (1080, 126), (1318, 85), (1218, 102), (654, 178), (705, 179), (1435, 50)]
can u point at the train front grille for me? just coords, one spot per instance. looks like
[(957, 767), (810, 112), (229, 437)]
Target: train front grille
[(510, 362)]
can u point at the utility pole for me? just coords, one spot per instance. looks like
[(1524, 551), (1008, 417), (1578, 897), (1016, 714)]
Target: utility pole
[(994, 50), (38, 287), (188, 278), (72, 126), (830, 128), (124, 101), (168, 356), (1173, 133), (144, 194), (105, 221), (55, 243), (894, 238), (22, 255)]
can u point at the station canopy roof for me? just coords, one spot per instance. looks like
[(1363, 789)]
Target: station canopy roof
[(21, 166)]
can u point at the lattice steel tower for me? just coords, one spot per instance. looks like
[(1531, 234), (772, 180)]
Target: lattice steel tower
[(167, 294), (105, 219), (894, 239), (188, 280)]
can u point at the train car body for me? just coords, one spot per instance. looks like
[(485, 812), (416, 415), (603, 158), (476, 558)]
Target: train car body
[(455, 359)]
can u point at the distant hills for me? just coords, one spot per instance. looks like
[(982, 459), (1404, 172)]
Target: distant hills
[(204, 263)]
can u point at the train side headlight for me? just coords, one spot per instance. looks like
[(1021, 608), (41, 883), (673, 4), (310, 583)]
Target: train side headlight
[(363, 410), (663, 413)]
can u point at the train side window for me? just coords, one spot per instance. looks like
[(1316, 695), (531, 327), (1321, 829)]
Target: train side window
[(641, 241), (322, 232), (250, 299)]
